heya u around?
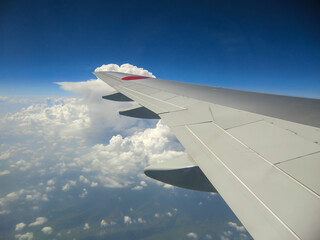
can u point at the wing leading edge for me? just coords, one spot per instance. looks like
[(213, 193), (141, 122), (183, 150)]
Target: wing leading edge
[(263, 162)]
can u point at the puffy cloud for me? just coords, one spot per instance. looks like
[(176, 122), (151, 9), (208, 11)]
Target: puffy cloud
[(13, 196), (156, 215), (20, 226), (237, 227), (143, 183), (5, 172), (47, 230), (62, 117), (26, 236), (192, 235), (94, 184), (39, 221), (127, 220), (86, 226), (5, 155), (168, 186), (169, 214), (68, 185), (83, 179), (49, 189), (137, 188), (125, 68), (84, 193), (118, 162), (140, 220), (50, 182), (226, 235), (103, 223)]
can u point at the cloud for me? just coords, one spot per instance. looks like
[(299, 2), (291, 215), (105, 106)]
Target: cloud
[(237, 227), (94, 184), (103, 223), (5, 155), (26, 236), (49, 189), (168, 186), (127, 220), (47, 230), (39, 221), (84, 193), (192, 235), (117, 163), (13, 196), (137, 188), (86, 226), (5, 172), (226, 235), (140, 220), (125, 68), (20, 226), (75, 132), (50, 182), (83, 179), (143, 183), (68, 185)]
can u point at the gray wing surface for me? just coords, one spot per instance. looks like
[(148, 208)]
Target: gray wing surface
[(261, 152)]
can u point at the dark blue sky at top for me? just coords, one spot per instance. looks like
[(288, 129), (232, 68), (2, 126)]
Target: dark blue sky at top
[(271, 46)]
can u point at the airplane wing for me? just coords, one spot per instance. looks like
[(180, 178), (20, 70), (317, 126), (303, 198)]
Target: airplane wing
[(261, 152)]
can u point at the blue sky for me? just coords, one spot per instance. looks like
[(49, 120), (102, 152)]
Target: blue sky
[(271, 46)]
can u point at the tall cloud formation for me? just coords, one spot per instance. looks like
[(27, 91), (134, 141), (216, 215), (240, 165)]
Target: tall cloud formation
[(125, 68)]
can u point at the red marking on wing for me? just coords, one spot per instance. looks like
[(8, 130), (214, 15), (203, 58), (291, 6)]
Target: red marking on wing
[(134, 78)]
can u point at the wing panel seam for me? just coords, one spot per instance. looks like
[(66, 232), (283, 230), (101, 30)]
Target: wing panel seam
[(266, 160), (128, 89), (286, 226)]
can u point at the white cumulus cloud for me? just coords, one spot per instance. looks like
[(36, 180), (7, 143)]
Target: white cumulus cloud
[(26, 236), (127, 220), (20, 226), (103, 223), (140, 220), (86, 226), (39, 221), (47, 230), (84, 193), (5, 172), (50, 182), (237, 227), (137, 188), (125, 68), (68, 185), (192, 235)]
